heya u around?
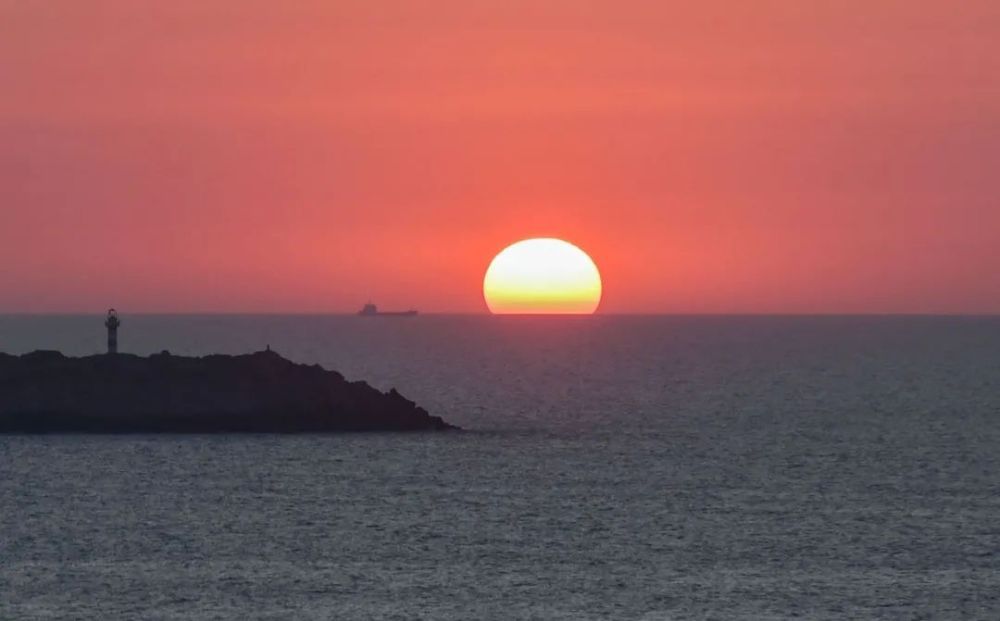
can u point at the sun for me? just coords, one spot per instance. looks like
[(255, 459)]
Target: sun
[(542, 276)]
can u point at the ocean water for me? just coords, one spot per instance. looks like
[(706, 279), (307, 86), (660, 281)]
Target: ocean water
[(612, 467)]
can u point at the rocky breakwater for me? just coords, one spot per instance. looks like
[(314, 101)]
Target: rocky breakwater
[(47, 392)]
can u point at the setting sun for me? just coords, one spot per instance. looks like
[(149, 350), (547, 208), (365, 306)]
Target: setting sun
[(542, 276)]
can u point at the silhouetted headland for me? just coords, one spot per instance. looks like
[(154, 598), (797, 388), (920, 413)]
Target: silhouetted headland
[(47, 392)]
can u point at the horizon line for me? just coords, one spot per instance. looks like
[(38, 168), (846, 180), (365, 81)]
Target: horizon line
[(228, 313)]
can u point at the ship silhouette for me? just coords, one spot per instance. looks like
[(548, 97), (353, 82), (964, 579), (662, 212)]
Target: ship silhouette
[(370, 310)]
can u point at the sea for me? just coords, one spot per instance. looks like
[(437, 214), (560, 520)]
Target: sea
[(609, 467)]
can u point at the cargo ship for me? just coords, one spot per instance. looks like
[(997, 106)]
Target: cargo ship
[(370, 310)]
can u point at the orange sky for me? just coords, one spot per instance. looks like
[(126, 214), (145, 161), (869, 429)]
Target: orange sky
[(242, 155)]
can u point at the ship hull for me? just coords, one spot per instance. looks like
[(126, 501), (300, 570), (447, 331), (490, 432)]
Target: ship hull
[(411, 313)]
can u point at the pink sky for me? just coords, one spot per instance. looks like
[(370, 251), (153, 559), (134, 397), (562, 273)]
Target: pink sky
[(772, 156)]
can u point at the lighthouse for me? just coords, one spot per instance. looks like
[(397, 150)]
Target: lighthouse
[(112, 323)]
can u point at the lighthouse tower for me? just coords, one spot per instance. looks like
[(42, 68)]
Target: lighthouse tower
[(112, 323)]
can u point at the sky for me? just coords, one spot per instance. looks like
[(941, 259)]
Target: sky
[(775, 156)]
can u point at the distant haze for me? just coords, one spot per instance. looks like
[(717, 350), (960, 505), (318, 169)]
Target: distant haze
[(774, 156)]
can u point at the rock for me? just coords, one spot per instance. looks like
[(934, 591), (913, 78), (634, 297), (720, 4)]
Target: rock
[(47, 392)]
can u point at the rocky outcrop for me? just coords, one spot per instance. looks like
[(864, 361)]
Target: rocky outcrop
[(47, 392)]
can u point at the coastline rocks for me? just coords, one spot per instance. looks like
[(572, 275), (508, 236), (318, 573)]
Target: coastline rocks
[(47, 392)]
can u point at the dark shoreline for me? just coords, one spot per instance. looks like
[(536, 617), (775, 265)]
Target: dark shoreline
[(45, 392)]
